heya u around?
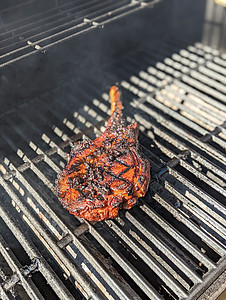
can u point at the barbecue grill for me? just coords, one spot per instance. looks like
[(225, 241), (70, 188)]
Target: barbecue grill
[(58, 60)]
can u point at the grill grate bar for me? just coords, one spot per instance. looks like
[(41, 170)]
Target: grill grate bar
[(66, 240), (126, 265), (208, 137), (19, 274), (58, 7), (202, 215), (179, 67), (204, 121), (199, 192), (167, 69), (208, 280), (184, 61), (214, 115), (181, 146), (14, 279), (193, 57), (23, 3), (164, 249), (176, 65), (178, 236), (220, 62), (169, 205), (199, 94), (40, 175), (159, 259), (212, 74), (159, 74), (183, 120), (195, 172), (146, 257), (31, 250), (110, 280), (161, 118), (210, 82), (56, 149), (184, 219), (178, 215), (3, 294), (113, 283), (211, 65), (207, 49), (57, 253), (197, 51), (171, 126), (203, 87), (44, 155)]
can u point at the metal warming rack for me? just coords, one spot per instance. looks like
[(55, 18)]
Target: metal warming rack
[(172, 245), (44, 25)]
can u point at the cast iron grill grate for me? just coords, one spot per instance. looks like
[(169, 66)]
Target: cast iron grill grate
[(172, 245)]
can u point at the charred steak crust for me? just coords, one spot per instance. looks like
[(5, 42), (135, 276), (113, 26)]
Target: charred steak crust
[(106, 174)]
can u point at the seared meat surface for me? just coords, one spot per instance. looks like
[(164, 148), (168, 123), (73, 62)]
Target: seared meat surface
[(106, 174)]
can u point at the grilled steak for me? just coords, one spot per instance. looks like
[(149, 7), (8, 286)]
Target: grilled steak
[(106, 174)]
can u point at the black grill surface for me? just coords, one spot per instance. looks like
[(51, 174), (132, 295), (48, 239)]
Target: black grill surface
[(172, 244)]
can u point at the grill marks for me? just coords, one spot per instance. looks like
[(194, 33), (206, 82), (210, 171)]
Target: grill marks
[(106, 174), (94, 173)]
